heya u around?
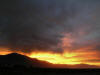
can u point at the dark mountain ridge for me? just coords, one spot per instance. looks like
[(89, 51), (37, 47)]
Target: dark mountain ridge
[(18, 59)]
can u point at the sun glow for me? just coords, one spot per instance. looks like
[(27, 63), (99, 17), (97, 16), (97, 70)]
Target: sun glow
[(66, 57), (55, 58)]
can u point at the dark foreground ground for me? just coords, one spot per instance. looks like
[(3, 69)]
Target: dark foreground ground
[(45, 71)]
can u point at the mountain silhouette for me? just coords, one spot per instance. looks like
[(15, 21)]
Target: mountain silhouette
[(18, 59)]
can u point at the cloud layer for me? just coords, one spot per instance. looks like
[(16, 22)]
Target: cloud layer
[(49, 25)]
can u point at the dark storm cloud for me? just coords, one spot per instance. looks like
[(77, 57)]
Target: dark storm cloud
[(29, 25)]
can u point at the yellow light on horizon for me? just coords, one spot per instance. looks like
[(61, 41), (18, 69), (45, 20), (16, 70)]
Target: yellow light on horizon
[(55, 58), (66, 57)]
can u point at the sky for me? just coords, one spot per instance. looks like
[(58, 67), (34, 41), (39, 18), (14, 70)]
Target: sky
[(58, 26)]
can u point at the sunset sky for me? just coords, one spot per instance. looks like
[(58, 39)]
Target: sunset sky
[(57, 31)]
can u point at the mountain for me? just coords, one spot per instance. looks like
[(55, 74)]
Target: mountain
[(18, 59)]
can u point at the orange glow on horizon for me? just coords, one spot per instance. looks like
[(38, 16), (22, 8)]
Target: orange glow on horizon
[(4, 51), (71, 58)]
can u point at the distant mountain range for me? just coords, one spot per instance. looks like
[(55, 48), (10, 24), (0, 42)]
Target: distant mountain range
[(18, 59)]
